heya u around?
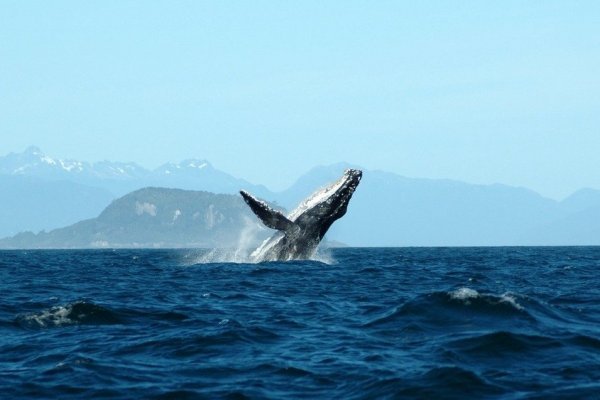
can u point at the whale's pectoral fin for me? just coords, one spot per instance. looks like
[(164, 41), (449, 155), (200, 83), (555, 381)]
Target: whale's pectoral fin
[(270, 217)]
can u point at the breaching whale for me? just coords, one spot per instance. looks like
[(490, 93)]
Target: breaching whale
[(299, 233)]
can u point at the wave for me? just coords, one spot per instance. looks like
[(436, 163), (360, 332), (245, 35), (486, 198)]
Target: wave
[(503, 342), (467, 296), (222, 334), (440, 382), (562, 354), (459, 380), (89, 313), (585, 341), (382, 323), (454, 307), (79, 312)]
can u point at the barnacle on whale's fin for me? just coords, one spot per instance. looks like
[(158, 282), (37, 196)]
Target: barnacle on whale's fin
[(270, 217)]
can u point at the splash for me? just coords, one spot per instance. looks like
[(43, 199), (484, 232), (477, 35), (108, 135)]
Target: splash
[(237, 256), (251, 236), (324, 255), (240, 253)]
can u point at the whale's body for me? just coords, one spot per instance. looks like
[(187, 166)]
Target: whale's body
[(299, 233)]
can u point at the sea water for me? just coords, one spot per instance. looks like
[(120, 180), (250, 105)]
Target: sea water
[(506, 323)]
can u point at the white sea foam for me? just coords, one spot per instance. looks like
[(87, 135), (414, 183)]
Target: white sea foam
[(246, 250), (324, 255), (510, 299), (218, 256), (464, 294), (238, 254), (467, 294), (55, 316)]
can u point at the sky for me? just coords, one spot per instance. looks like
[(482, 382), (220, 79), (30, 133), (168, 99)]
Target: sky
[(483, 92)]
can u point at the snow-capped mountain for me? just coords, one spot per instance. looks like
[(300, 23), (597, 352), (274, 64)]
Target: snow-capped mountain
[(40, 192), (201, 175), (186, 165), (123, 177), (44, 192), (33, 162)]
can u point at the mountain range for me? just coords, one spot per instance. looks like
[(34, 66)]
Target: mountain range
[(44, 193), (40, 192), (120, 177)]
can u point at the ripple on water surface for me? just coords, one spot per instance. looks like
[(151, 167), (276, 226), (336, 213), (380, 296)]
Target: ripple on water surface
[(368, 323)]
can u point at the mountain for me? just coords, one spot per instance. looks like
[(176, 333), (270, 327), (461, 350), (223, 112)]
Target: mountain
[(387, 209), (120, 178), (40, 192), (156, 217), (582, 199), (580, 225), (392, 210), (34, 163), (196, 174), (581, 228)]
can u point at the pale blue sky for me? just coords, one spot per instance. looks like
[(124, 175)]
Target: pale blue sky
[(481, 91)]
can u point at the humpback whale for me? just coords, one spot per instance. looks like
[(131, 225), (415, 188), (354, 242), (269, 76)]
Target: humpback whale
[(299, 233)]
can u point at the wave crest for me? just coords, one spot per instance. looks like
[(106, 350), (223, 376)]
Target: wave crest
[(79, 312), (467, 294), (453, 307)]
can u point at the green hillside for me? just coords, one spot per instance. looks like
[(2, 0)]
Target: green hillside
[(155, 217)]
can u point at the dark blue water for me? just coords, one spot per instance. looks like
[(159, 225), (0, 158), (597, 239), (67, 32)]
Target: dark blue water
[(377, 323)]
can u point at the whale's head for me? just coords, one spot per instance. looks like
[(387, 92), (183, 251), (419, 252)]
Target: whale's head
[(327, 205), (345, 186), (344, 189)]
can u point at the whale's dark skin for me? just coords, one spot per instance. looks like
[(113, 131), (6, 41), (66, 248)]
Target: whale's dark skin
[(300, 233)]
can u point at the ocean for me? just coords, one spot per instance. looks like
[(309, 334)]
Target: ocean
[(369, 323)]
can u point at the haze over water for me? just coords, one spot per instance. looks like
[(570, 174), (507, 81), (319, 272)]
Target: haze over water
[(505, 323)]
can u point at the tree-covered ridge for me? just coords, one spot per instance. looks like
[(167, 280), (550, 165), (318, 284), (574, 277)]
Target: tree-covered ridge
[(153, 217)]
